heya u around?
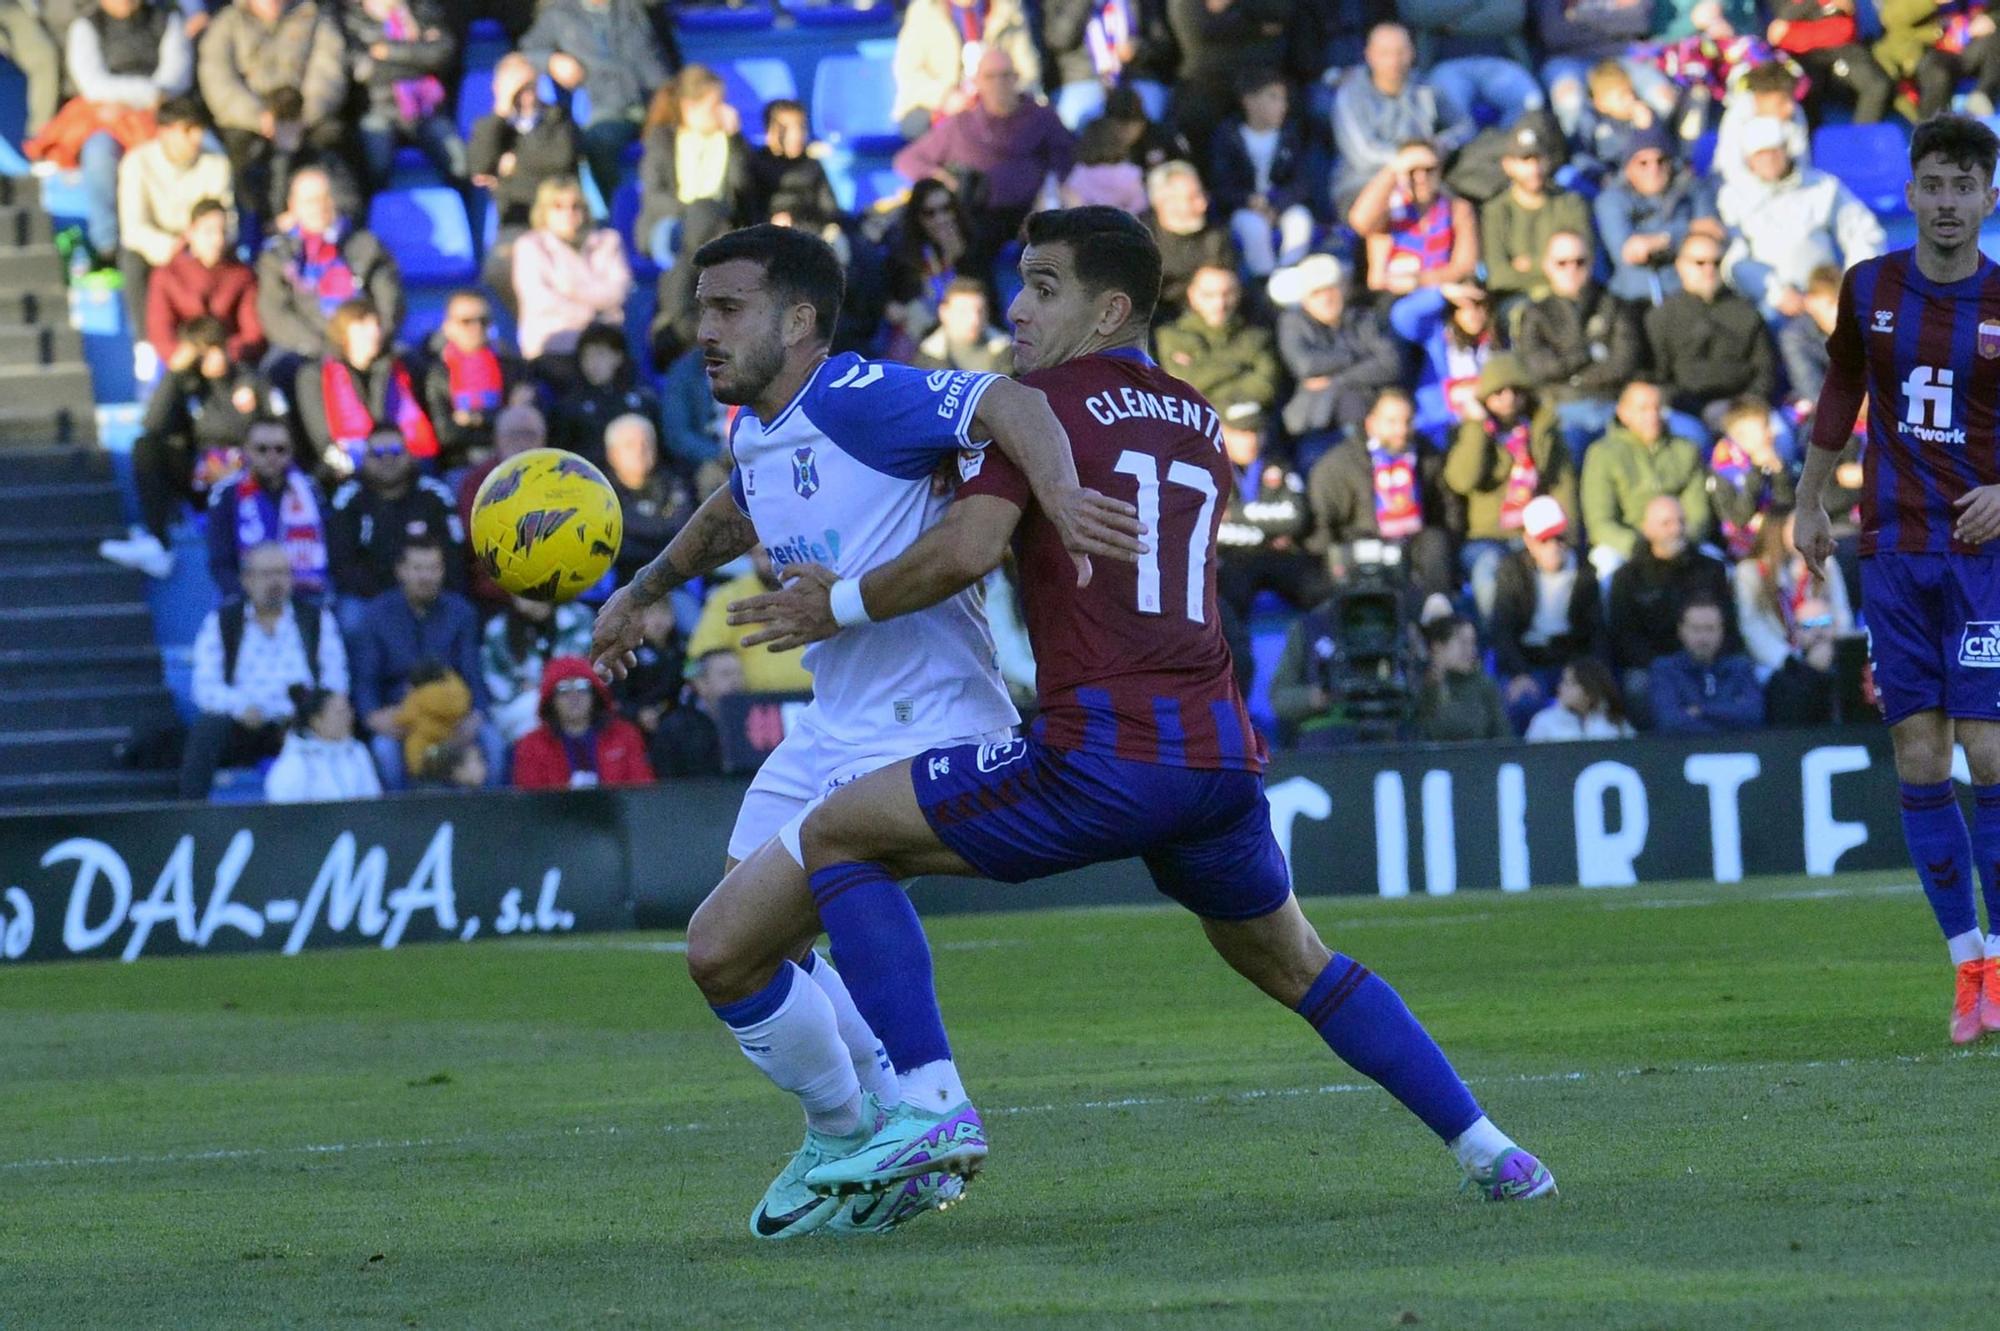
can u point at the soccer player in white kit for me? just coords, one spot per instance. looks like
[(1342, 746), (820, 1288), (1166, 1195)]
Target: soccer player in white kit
[(834, 457)]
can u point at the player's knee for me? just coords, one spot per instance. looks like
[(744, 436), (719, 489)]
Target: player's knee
[(723, 970)]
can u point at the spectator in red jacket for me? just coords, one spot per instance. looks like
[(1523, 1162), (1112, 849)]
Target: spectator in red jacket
[(582, 740), (203, 277)]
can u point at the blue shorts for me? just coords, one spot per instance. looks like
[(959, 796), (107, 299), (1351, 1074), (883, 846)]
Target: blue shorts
[(1934, 634), (1020, 810)]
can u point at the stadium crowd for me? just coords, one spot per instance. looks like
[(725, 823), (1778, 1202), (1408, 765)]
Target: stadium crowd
[(1515, 308)]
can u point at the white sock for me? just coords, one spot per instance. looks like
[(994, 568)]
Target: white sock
[(934, 1087), (871, 1064), (799, 1048), (1480, 1145), (1968, 946)]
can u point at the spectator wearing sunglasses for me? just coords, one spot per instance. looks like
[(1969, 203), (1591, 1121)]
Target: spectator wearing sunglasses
[(471, 379), (385, 506), (1710, 344)]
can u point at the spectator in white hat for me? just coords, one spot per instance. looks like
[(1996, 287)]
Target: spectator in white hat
[(1338, 354), (1547, 611), (1785, 220)]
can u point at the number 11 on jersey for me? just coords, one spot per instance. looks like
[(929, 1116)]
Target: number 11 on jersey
[(1145, 468)]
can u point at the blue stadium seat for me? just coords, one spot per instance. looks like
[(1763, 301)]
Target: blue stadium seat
[(851, 101), (428, 232), (875, 185), (751, 82), (475, 99), (1871, 160), (717, 18), (1701, 157), (842, 16)]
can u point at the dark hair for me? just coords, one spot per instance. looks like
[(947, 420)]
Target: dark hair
[(603, 335), (205, 331), (963, 286), (1443, 629), (1771, 76), (204, 208), (1700, 601), (182, 110), (1101, 143), (1388, 391), (1595, 679), (1123, 104), (429, 670), (777, 106), (1256, 79), (307, 700), (423, 540), (801, 268), (1964, 142), (1112, 251), (442, 759)]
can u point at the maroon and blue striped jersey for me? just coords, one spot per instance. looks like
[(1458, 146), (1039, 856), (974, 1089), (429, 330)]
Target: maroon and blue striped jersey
[(1928, 356), (1134, 665)]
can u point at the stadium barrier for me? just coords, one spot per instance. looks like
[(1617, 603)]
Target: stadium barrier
[(423, 868)]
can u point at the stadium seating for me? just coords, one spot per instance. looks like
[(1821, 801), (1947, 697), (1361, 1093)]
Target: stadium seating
[(851, 101), (717, 18), (1871, 160), (429, 233), (751, 82)]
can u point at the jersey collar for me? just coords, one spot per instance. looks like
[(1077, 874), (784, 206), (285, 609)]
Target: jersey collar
[(1137, 354)]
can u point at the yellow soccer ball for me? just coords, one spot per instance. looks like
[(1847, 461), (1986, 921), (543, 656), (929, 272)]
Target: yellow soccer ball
[(546, 525)]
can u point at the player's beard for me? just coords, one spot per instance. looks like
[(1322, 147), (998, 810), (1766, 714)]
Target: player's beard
[(749, 371)]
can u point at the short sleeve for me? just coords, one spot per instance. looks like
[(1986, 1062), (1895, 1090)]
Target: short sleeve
[(1844, 350), (988, 471), (896, 419), (736, 491)]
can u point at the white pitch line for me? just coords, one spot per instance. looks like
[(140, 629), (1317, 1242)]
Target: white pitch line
[(490, 1140)]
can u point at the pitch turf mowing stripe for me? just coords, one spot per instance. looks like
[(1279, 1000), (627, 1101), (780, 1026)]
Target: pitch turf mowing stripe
[(1756, 1071)]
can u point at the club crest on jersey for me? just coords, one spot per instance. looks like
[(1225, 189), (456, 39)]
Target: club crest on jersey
[(1989, 339), (1980, 647), (1885, 321), (805, 472)]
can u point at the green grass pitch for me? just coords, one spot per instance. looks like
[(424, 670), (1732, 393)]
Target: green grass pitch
[(1745, 1091)]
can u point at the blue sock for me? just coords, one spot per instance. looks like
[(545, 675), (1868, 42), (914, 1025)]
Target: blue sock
[(1942, 853), (1986, 849), (1366, 1023), (882, 953), (760, 1006)]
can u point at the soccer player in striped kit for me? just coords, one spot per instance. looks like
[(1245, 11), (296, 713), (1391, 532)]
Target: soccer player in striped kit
[(1142, 749), (1918, 334)]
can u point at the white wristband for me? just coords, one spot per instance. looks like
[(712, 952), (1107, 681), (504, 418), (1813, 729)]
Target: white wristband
[(844, 598)]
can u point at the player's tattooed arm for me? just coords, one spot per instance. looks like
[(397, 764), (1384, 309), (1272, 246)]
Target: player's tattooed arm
[(717, 533), (1022, 425)]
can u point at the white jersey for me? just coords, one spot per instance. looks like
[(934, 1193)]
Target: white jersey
[(842, 477)]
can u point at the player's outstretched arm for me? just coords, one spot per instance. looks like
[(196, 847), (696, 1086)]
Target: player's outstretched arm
[(966, 544), (1022, 425), (718, 532)]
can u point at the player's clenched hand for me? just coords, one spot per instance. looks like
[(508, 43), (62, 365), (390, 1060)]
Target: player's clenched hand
[(616, 635), (1978, 515), (1094, 524), (798, 613), (1812, 534)]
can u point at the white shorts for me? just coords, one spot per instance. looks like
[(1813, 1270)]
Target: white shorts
[(806, 767)]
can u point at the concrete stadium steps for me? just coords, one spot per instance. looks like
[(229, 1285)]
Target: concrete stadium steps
[(39, 345), (80, 670), (81, 706), (60, 505), (73, 582), (29, 669), (68, 543), (101, 788), (37, 752), (117, 624)]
